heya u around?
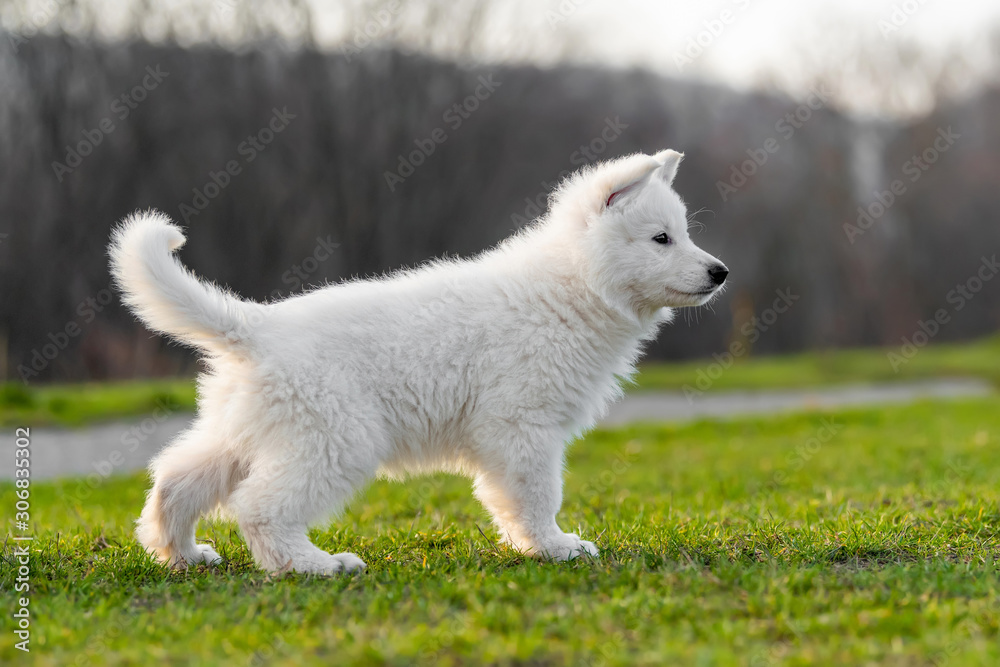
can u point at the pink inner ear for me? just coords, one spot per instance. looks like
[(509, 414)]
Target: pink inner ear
[(615, 194)]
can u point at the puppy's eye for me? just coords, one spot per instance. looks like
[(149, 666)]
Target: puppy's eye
[(662, 238)]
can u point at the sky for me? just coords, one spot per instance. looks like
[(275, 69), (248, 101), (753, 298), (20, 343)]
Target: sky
[(740, 43), (781, 44), (762, 33)]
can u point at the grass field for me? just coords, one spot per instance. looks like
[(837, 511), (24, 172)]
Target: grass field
[(860, 537), (77, 404), (980, 359), (73, 405)]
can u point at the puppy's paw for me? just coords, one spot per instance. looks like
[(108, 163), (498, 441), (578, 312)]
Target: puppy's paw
[(349, 562), (328, 564), (201, 553), (207, 555), (566, 547)]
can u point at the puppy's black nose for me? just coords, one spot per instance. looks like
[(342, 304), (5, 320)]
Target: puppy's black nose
[(718, 274)]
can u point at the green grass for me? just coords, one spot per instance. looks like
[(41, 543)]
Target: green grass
[(862, 537), (76, 404), (980, 359), (72, 405)]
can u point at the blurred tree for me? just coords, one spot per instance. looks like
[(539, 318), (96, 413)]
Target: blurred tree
[(79, 150)]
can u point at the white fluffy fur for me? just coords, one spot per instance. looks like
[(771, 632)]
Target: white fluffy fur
[(486, 367)]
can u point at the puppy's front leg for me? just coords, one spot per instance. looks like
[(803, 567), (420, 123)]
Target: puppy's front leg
[(523, 492)]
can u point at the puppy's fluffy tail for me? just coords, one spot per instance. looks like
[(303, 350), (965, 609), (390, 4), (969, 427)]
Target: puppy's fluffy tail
[(167, 297)]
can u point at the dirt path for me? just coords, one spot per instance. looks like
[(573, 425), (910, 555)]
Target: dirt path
[(99, 451)]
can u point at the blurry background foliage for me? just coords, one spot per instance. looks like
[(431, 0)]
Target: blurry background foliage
[(361, 85)]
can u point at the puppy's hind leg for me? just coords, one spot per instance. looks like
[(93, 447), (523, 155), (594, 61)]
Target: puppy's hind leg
[(276, 504), (190, 477)]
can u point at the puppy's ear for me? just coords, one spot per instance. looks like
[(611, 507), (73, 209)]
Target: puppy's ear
[(669, 161), (622, 193)]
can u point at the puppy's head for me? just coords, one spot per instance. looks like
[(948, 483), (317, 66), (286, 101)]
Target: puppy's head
[(636, 238)]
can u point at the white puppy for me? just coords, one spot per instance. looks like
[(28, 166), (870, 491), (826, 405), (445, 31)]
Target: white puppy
[(486, 367)]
